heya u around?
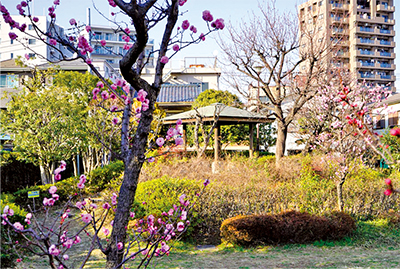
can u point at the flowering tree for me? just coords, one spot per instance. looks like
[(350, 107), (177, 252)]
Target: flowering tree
[(133, 115), (346, 131)]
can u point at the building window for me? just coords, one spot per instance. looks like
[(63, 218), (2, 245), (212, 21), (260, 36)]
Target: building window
[(32, 41), (393, 119), (30, 27), (108, 36), (12, 55), (379, 121), (320, 3), (321, 16), (9, 81), (11, 41)]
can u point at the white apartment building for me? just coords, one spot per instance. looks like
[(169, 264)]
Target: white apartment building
[(26, 43)]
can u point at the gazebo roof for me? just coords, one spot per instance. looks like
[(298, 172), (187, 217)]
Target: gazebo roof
[(227, 115)]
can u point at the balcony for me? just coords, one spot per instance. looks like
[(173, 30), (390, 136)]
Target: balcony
[(363, 18), (365, 53), (342, 54), (386, 66), (385, 32), (339, 6), (386, 54), (366, 76), (386, 77), (366, 29), (386, 8), (365, 41), (365, 64)]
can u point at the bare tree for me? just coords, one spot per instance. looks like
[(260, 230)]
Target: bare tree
[(269, 51)]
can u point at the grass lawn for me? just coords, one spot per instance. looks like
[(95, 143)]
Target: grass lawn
[(373, 245)]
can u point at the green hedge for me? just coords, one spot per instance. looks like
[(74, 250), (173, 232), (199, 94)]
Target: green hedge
[(8, 256), (97, 181), (159, 195)]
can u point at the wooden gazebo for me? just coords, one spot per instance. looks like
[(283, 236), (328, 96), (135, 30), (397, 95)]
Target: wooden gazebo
[(224, 115)]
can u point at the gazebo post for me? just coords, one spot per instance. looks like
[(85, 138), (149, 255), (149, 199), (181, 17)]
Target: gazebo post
[(184, 139), (251, 138), (216, 141)]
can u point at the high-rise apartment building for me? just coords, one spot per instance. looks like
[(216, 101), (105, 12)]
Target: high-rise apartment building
[(357, 35)]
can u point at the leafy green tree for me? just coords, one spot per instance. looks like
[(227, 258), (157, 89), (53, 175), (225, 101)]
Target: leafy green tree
[(45, 122), (212, 96)]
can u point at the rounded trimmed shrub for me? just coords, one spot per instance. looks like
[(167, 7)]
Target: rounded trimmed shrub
[(287, 227)]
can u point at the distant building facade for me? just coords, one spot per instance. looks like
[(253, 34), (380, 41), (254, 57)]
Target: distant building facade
[(359, 34)]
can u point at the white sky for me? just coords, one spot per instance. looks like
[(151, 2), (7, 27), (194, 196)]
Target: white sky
[(229, 10)]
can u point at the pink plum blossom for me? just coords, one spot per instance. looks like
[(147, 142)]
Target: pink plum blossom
[(80, 185), (112, 3), (66, 257), (52, 189), (388, 181), (179, 141), (164, 60), (18, 226), (106, 231), (82, 178), (120, 245), (86, 218), (53, 250), (206, 182), (79, 205), (77, 240), (151, 160), (207, 16), (106, 206), (88, 28), (113, 107), (180, 226), (104, 95), (185, 24), (53, 42), (103, 42), (12, 35), (132, 214), (115, 121), (202, 37), (35, 19), (160, 141), (175, 47), (141, 95), (72, 21), (182, 2)]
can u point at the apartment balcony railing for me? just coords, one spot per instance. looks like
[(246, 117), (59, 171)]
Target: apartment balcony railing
[(367, 29), (367, 41), (382, 7), (366, 52), (386, 65), (386, 54), (386, 76), (367, 75), (384, 31), (369, 64)]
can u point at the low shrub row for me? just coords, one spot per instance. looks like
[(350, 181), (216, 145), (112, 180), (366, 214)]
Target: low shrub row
[(97, 181), (8, 256), (287, 227)]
